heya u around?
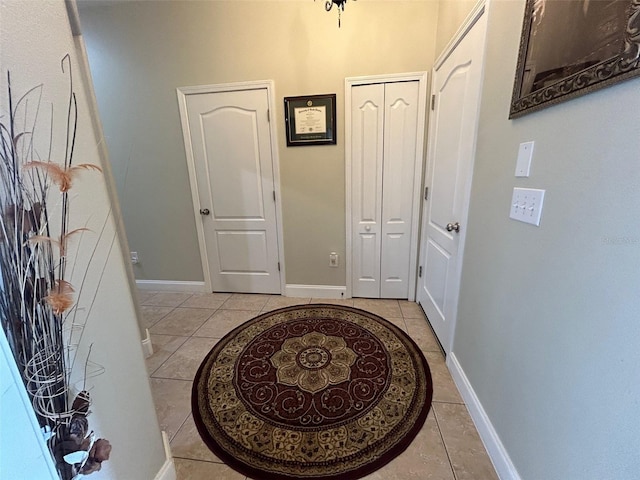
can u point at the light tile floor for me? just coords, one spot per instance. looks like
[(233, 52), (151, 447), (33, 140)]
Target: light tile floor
[(184, 328)]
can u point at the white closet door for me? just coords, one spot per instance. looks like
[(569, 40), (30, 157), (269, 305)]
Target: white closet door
[(384, 136), (400, 136), (367, 150)]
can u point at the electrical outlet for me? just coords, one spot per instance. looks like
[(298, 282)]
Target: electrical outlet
[(333, 259), (134, 257), (526, 205)]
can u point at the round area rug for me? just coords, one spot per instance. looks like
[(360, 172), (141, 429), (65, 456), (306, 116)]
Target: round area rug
[(311, 392)]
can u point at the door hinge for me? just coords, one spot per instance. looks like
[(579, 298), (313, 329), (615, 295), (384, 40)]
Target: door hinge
[(433, 102), (278, 266), (268, 115), (274, 195), (426, 193), (420, 271)]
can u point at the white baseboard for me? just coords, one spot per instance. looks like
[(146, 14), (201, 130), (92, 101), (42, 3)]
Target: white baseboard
[(147, 346), (171, 286), (316, 291), (505, 469), (168, 470)]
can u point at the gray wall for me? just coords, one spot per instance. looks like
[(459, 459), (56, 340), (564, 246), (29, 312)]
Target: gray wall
[(548, 327), (141, 51)]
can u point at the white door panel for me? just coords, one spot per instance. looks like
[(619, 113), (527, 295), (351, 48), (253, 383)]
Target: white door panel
[(235, 175), (367, 150), (452, 133), (400, 137), (230, 140)]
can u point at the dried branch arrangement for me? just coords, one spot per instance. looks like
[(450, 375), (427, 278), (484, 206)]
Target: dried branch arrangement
[(37, 306)]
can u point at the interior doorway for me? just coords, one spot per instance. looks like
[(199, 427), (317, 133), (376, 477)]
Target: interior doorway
[(233, 169)]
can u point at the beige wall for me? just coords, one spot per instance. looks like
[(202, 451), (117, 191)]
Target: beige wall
[(141, 51), (451, 14), (547, 329)]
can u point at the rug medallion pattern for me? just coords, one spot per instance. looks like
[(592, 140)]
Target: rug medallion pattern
[(312, 392)]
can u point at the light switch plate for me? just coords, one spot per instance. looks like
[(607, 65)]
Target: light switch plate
[(526, 205), (523, 164)]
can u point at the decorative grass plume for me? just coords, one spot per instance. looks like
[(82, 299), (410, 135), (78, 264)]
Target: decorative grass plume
[(37, 305)]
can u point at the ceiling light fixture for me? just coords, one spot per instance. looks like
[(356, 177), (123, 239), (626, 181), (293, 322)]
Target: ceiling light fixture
[(339, 3)]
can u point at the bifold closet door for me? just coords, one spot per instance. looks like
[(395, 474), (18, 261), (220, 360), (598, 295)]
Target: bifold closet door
[(384, 126)]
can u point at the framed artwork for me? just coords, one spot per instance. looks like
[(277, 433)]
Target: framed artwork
[(310, 120), (573, 47)]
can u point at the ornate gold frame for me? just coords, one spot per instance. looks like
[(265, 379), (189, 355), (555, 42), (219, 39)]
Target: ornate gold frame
[(569, 84)]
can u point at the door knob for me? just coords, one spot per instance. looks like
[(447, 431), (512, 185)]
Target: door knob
[(204, 211), (453, 227), (367, 228)]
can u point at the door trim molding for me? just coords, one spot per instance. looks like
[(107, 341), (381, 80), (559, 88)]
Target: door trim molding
[(349, 82), (468, 23), (182, 93)]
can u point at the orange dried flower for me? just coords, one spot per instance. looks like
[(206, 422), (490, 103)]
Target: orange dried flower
[(62, 176), (62, 243), (60, 299)]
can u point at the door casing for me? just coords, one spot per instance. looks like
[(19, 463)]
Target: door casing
[(182, 93), (421, 78)]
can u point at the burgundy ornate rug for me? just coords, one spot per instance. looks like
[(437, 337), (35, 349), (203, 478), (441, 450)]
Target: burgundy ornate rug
[(317, 392)]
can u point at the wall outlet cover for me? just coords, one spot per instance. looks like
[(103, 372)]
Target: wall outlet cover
[(523, 164)]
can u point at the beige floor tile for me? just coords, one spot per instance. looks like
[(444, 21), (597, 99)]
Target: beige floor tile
[(187, 443), (384, 308), (182, 321), (466, 451), (172, 399), (347, 302), (167, 299), (178, 357), (444, 390), (278, 301), (421, 333), (223, 321), (163, 348), (245, 301), (411, 309), (152, 314), (398, 322), (197, 470), (144, 295), (425, 459), (184, 363), (207, 300)]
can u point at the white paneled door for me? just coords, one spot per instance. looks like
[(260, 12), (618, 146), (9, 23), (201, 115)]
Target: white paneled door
[(452, 137), (385, 157), (228, 135)]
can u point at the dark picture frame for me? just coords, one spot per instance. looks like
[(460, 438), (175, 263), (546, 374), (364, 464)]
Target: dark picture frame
[(310, 120), (570, 48)]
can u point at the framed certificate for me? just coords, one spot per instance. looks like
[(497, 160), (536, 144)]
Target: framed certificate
[(310, 120)]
